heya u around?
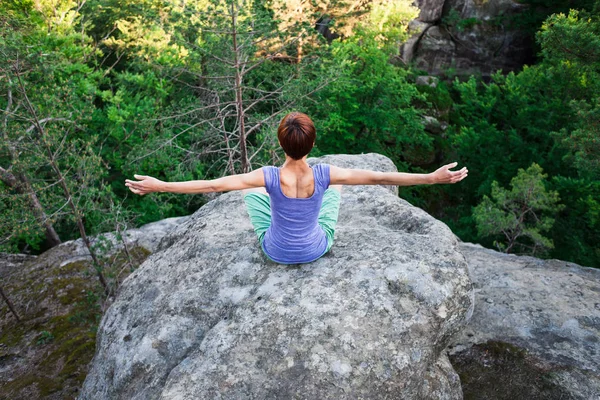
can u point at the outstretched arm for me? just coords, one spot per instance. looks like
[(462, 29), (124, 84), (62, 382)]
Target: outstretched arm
[(344, 176), (148, 184)]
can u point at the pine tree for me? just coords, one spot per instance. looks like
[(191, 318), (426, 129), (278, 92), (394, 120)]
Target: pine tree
[(521, 214)]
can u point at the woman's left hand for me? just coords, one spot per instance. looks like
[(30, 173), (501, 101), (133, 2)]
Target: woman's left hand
[(444, 175)]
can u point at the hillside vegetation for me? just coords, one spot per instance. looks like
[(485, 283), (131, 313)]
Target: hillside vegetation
[(94, 91)]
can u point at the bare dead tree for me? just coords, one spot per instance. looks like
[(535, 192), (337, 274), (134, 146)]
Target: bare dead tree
[(44, 143), (19, 181), (227, 110), (239, 74)]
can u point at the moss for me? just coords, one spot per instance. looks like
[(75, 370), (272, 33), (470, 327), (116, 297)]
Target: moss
[(73, 350), (69, 290), (501, 370), (60, 326), (12, 336), (80, 357), (47, 385), (72, 289), (73, 267), (44, 385), (138, 255)]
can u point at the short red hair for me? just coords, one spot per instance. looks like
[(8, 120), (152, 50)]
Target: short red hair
[(296, 134)]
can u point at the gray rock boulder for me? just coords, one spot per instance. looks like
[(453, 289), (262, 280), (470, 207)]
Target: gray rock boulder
[(427, 80), (433, 125), (10, 262), (430, 10), (546, 310), (209, 317), (54, 294), (467, 35)]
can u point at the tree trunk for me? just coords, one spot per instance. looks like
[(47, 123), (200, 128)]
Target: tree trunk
[(9, 304), (15, 181), (238, 91), (51, 235), (63, 185), (21, 185)]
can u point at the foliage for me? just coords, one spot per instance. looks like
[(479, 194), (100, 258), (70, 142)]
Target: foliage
[(48, 92), (574, 37), (521, 214), (367, 107), (576, 232), (388, 22), (573, 40), (45, 337), (583, 142), (547, 114), (536, 12)]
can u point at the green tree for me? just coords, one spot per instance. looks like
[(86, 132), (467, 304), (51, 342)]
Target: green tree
[(583, 142), (520, 214), (48, 159), (368, 106), (574, 40), (547, 114)]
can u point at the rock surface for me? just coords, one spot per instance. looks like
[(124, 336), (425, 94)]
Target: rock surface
[(46, 354), (471, 36), (147, 236), (549, 308), (209, 317)]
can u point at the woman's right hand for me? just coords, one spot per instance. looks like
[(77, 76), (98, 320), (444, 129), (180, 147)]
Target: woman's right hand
[(144, 184)]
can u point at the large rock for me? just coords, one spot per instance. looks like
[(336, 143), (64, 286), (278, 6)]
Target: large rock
[(430, 10), (46, 354), (470, 36), (209, 317), (546, 312)]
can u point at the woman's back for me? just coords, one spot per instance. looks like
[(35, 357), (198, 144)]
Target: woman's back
[(295, 235), (297, 182)]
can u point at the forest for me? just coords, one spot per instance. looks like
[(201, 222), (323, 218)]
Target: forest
[(95, 91)]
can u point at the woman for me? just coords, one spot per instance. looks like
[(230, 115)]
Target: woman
[(294, 208)]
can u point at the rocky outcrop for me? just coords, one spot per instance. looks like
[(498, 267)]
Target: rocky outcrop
[(56, 295), (209, 317), (534, 321), (470, 36)]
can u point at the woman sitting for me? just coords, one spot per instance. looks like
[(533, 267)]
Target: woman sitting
[(294, 208)]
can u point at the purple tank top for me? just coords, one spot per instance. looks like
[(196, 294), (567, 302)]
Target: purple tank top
[(295, 236)]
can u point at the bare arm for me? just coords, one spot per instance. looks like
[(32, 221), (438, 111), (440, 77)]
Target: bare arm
[(344, 176), (148, 184)]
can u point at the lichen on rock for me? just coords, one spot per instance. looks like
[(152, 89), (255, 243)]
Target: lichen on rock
[(210, 317)]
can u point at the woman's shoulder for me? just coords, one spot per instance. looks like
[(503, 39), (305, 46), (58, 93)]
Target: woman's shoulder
[(271, 175), (270, 169), (321, 172), (322, 166)]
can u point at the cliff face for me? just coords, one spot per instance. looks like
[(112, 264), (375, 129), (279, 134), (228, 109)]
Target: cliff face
[(209, 317), (470, 36), (535, 332)]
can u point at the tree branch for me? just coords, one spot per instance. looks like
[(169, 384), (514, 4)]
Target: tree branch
[(7, 177)]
